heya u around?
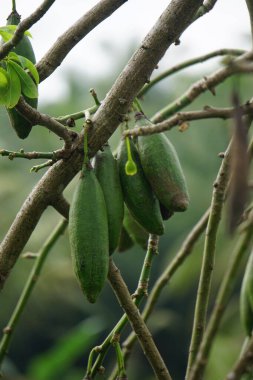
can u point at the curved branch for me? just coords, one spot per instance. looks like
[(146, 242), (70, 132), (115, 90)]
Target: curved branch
[(188, 63), (25, 25), (137, 323), (181, 117), (206, 84), (65, 43), (172, 22), (35, 117)]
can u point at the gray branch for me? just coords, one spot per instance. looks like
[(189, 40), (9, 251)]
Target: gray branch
[(65, 43)]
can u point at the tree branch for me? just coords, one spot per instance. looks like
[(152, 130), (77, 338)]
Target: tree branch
[(137, 323), (173, 21), (180, 117), (202, 300), (244, 363), (163, 280), (65, 43), (206, 84), (35, 117), (25, 25), (224, 293), (188, 63)]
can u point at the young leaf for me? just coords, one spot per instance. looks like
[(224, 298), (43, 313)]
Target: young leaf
[(6, 36), (27, 64), (28, 86), (14, 86), (14, 57), (4, 85), (10, 29)]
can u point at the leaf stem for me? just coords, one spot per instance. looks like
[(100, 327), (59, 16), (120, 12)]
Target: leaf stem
[(13, 6), (28, 288)]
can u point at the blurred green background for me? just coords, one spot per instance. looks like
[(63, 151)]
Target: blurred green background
[(58, 326)]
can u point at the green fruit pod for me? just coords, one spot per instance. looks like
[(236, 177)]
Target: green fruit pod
[(162, 168), (246, 298), (20, 124), (106, 170), (136, 232), (88, 234), (138, 195)]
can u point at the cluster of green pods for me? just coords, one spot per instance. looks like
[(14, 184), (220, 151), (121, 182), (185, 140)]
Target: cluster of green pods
[(112, 208)]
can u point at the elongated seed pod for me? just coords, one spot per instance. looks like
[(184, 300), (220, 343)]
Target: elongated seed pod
[(88, 234), (20, 124), (162, 168), (138, 195), (106, 170), (246, 297)]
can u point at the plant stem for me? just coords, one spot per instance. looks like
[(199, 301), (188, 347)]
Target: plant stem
[(207, 83), (188, 63), (28, 288), (13, 5), (144, 336), (31, 155), (185, 250), (77, 115), (243, 364), (224, 293), (140, 292), (36, 168), (208, 260)]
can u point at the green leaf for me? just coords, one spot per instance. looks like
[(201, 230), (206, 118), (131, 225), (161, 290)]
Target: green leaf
[(5, 35), (14, 57), (27, 64), (28, 86), (14, 92), (10, 29), (4, 86)]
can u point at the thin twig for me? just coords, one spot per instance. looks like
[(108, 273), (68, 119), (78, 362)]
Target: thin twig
[(180, 117), (140, 292), (23, 26), (224, 293), (163, 280), (35, 117), (199, 322), (137, 323), (244, 363), (76, 116), (208, 83), (205, 8), (28, 288), (56, 155), (186, 64)]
